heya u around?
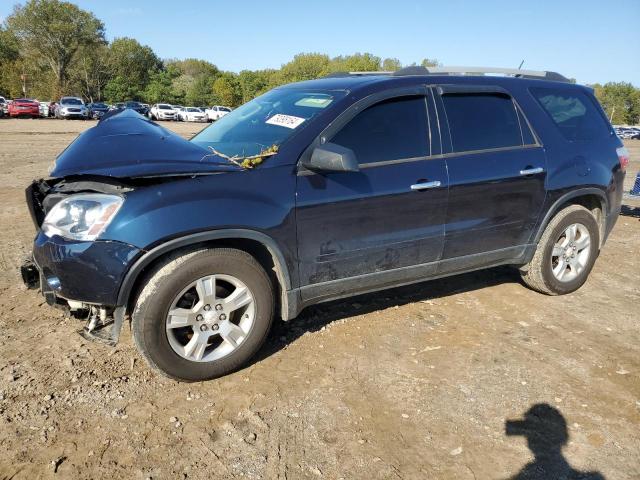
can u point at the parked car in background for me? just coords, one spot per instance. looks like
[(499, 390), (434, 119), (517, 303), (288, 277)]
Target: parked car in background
[(24, 107), (162, 111), (44, 109), (4, 105), (177, 109), (71, 107), (216, 112), (97, 110), (192, 114), (117, 106), (137, 106), (337, 187), (632, 133), (52, 109)]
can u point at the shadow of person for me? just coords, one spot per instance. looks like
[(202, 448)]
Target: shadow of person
[(546, 431)]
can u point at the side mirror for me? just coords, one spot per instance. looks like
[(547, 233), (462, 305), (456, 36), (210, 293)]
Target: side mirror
[(332, 158)]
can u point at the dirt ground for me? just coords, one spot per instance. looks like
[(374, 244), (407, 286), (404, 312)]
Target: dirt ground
[(410, 383)]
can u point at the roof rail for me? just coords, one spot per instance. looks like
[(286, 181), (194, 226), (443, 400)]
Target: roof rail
[(535, 74), (354, 74)]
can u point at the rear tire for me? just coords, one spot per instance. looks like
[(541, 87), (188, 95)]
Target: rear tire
[(236, 338), (565, 253)]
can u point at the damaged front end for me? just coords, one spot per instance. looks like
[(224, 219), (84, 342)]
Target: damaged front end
[(75, 263), (81, 277)]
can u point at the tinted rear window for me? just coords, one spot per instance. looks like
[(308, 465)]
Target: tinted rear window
[(390, 130), (574, 113), (482, 121)]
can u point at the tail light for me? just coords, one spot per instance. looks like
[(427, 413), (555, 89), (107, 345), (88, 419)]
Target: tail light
[(623, 157)]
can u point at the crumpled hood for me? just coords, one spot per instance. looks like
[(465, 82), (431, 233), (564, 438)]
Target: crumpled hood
[(126, 144)]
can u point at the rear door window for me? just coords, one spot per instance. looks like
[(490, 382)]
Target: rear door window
[(482, 121), (390, 130), (574, 113)]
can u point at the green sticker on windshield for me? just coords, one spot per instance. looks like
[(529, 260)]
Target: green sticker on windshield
[(314, 102)]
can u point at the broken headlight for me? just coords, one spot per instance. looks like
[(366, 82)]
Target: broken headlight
[(82, 216)]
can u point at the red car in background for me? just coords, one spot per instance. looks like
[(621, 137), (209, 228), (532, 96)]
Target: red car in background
[(23, 107)]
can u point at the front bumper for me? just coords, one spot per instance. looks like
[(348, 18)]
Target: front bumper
[(87, 272), (82, 277), (73, 114)]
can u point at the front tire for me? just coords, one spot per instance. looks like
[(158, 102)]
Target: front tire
[(565, 253), (203, 314)]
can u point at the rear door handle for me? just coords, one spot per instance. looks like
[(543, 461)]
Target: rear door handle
[(425, 185), (531, 171)]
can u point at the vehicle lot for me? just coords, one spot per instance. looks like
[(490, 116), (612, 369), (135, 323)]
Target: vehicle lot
[(415, 382)]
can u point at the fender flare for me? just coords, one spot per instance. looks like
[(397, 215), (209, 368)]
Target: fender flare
[(132, 275), (566, 197)]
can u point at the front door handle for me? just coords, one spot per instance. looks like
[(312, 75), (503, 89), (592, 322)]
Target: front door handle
[(531, 171), (425, 185)]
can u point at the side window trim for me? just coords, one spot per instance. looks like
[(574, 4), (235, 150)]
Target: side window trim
[(521, 114), (350, 113), (445, 89)]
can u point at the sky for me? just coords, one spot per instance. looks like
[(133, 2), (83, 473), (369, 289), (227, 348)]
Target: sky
[(590, 40)]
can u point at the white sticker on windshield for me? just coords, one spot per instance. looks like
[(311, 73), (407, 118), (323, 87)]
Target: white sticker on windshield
[(288, 121)]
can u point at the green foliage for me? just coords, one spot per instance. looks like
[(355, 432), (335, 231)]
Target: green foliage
[(253, 83), (304, 66), (131, 66), (160, 87), (360, 62), (621, 102), (226, 90), (50, 34)]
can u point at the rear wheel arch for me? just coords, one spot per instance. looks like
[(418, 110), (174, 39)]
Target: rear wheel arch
[(260, 246), (593, 199)]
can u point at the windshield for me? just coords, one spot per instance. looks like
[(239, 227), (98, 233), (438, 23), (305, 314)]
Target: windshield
[(193, 109), (132, 105), (265, 121), (71, 101), (99, 105)]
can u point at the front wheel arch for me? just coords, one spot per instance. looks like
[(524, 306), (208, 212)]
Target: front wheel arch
[(262, 247)]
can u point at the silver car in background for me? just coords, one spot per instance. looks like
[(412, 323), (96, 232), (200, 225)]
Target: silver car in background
[(71, 107)]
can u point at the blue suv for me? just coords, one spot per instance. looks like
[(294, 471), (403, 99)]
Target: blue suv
[(321, 190)]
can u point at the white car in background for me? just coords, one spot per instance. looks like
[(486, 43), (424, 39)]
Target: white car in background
[(192, 114), (216, 112), (44, 109), (162, 111)]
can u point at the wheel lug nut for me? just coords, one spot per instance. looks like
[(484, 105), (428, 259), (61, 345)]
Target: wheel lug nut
[(223, 316), (207, 307), (215, 326), (203, 328), (199, 317), (218, 307)]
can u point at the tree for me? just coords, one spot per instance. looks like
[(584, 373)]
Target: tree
[(359, 62), (91, 73), (52, 32), (160, 86), (304, 66), (391, 64), (9, 56), (254, 83), (430, 62), (131, 65), (621, 102), (194, 80), (226, 90)]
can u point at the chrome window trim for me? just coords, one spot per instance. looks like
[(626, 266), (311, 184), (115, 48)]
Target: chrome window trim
[(364, 166)]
